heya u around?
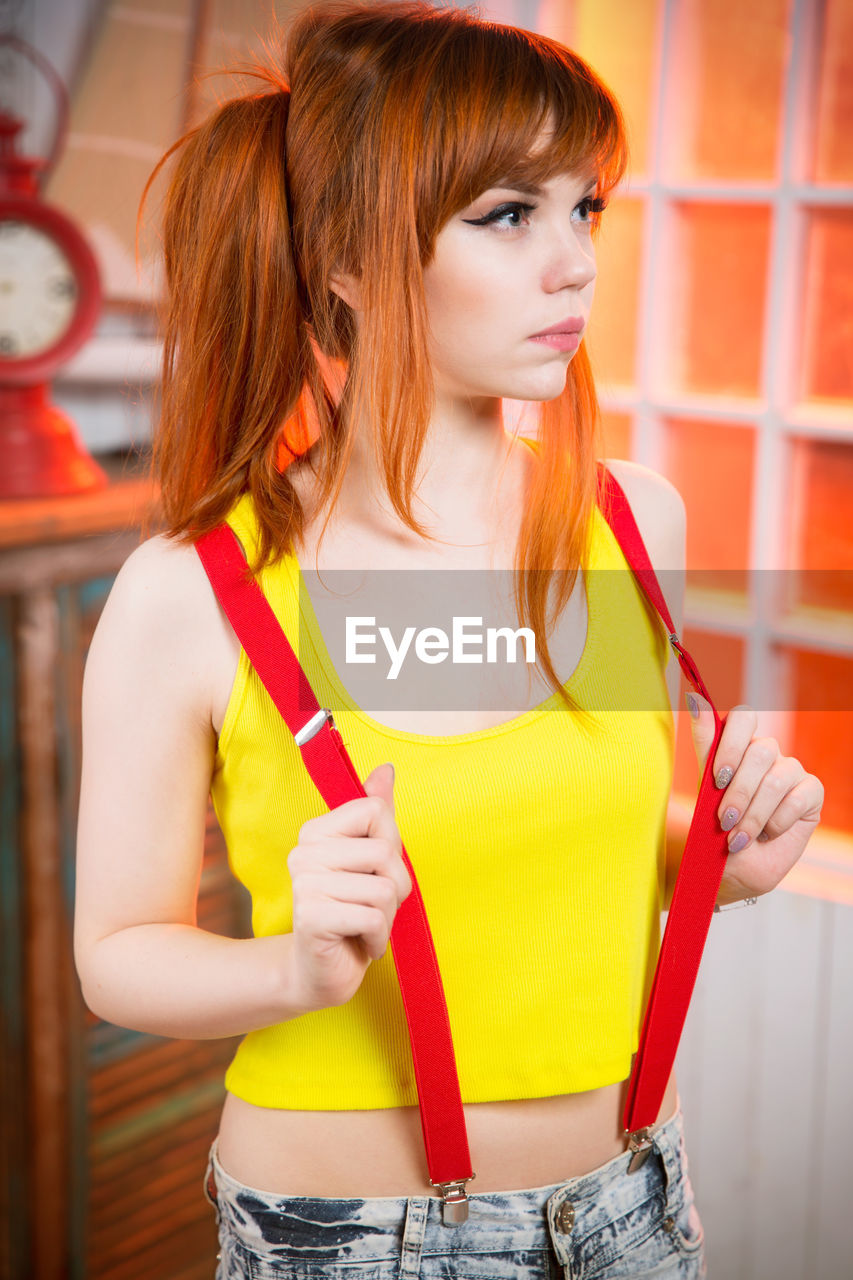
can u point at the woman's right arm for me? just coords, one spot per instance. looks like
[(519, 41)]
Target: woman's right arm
[(148, 755), (148, 751)]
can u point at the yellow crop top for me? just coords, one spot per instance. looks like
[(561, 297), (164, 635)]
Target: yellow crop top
[(538, 848)]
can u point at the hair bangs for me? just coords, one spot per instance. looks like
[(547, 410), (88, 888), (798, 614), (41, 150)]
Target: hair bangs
[(510, 107)]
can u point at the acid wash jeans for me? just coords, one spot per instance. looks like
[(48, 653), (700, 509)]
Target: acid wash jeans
[(603, 1225)]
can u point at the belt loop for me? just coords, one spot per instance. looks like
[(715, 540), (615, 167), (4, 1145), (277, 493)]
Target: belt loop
[(667, 1141), (417, 1211), (209, 1186)]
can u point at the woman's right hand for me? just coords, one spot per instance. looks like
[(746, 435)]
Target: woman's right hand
[(349, 879)]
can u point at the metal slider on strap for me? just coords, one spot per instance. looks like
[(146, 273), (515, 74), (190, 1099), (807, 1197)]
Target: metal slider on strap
[(454, 1209), (312, 726)]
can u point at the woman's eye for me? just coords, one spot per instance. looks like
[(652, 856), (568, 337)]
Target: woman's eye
[(594, 207), (497, 216), (508, 216)]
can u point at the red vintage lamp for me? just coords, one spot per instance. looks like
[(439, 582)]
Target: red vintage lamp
[(50, 298)]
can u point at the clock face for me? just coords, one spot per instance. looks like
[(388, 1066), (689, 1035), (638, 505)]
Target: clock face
[(38, 291)]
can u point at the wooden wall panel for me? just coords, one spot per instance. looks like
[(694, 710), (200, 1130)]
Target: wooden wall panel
[(12, 1136), (106, 1130)]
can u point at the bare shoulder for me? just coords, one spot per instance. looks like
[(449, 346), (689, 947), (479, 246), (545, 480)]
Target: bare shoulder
[(659, 510), (163, 584), (162, 616)]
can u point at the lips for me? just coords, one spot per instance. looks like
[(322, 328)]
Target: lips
[(574, 324), (557, 341)]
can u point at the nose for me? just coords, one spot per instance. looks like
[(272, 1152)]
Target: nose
[(570, 260)]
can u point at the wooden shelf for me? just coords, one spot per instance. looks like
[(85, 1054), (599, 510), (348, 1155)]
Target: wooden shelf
[(120, 505)]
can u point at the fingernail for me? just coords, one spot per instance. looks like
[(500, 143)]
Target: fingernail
[(729, 819), (740, 841), (392, 770), (724, 777), (692, 706), (762, 836)]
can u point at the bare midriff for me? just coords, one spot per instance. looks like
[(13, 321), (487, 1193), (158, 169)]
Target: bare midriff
[(533, 1142)]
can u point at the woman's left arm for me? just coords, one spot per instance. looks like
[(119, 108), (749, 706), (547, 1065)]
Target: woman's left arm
[(765, 796)]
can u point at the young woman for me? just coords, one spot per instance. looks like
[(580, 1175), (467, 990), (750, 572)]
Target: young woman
[(363, 262)]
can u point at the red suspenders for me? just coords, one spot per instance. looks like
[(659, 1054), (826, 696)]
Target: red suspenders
[(327, 761)]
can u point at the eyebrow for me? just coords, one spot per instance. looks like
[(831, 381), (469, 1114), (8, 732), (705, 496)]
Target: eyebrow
[(531, 189)]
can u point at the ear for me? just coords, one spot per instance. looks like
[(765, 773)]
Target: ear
[(347, 287)]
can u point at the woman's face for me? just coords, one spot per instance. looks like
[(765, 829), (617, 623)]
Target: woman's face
[(511, 264)]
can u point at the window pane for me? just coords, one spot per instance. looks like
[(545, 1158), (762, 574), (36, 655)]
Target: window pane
[(724, 100), (822, 693), (712, 326), (826, 363), (833, 158), (619, 41), (711, 464), (822, 547), (612, 339)]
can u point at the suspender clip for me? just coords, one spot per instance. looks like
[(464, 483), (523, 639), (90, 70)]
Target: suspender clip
[(640, 1142), (454, 1209)]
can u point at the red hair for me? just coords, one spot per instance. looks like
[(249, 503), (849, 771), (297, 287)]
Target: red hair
[(378, 122)]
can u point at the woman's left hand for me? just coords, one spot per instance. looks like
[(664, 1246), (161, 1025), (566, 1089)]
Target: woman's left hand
[(769, 804)]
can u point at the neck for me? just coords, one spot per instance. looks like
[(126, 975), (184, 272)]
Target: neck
[(470, 475)]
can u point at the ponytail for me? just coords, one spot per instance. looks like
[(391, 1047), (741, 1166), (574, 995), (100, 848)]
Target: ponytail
[(237, 354)]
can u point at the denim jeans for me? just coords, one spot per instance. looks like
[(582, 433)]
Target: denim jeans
[(604, 1224)]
